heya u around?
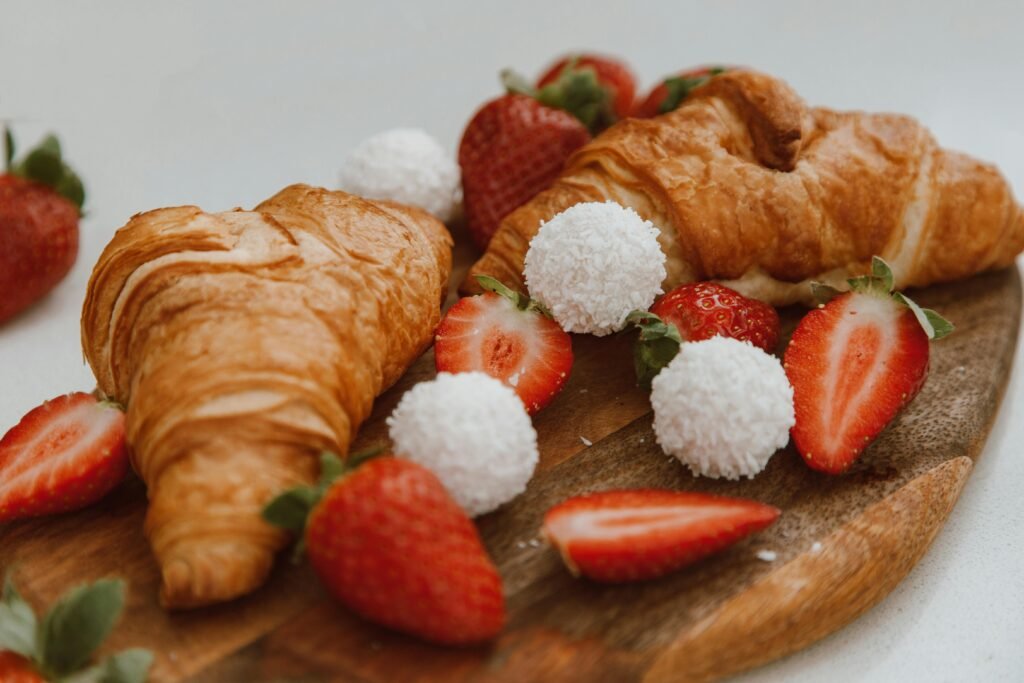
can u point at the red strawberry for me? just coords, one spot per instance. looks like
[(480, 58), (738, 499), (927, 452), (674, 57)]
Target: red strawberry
[(508, 337), (854, 363), (670, 93), (699, 311), (512, 148), (705, 309), (617, 536), (390, 543), (16, 669), (65, 454), (40, 198), (610, 73)]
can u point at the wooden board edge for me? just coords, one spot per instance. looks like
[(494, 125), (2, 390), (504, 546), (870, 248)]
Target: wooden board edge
[(822, 589)]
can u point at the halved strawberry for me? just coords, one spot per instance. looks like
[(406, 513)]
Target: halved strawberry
[(854, 363), (631, 535), (65, 454), (508, 337)]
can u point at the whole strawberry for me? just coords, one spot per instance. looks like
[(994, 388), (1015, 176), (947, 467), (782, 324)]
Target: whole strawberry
[(389, 542), (610, 74), (854, 364), (696, 312), (512, 148), (671, 92), (40, 203)]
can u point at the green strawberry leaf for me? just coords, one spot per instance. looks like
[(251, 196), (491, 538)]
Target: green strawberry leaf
[(77, 624), (881, 271), (656, 346), (129, 666), (941, 326), (823, 293), (516, 84), (17, 622), (290, 509), (8, 148), (680, 87), (354, 460), (577, 90), (70, 187), (523, 303), (933, 324), (331, 467), (42, 165)]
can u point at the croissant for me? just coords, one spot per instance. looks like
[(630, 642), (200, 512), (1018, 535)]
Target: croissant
[(244, 343), (751, 187)]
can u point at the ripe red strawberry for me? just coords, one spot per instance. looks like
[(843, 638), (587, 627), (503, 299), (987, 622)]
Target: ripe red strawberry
[(16, 669), (40, 198), (670, 93), (706, 309), (508, 337), (63, 455), (512, 148), (696, 312), (854, 363), (390, 543), (610, 73), (617, 536)]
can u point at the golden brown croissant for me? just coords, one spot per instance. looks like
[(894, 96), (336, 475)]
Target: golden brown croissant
[(245, 342), (751, 187)]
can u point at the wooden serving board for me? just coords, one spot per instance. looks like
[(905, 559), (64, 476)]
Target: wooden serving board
[(842, 543)]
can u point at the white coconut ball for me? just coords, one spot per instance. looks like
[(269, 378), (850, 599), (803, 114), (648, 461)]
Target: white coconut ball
[(723, 407), (405, 165), (593, 264), (473, 432)]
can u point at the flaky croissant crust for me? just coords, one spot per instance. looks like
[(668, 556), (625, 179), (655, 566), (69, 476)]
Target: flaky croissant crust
[(750, 186), (243, 343)]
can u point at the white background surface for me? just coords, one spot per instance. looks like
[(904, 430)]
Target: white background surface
[(222, 104)]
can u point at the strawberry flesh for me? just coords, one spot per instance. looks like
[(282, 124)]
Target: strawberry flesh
[(522, 348), (63, 455), (632, 535), (854, 364), (390, 543)]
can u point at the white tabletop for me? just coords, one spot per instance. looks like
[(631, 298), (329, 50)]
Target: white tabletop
[(222, 104)]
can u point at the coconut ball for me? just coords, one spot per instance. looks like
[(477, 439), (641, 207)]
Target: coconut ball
[(593, 264), (405, 165), (723, 407), (473, 432)]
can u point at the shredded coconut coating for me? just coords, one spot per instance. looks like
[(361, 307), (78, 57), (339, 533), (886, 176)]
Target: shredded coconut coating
[(405, 165), (593, 264), (473, 432), (722, 407)]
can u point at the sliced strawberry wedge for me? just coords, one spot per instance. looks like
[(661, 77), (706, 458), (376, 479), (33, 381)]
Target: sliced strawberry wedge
[(854, 364), (509, 338), (65, 454), (631, 535)]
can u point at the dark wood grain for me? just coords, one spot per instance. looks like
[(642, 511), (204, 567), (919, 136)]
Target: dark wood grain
[(718, 617)]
